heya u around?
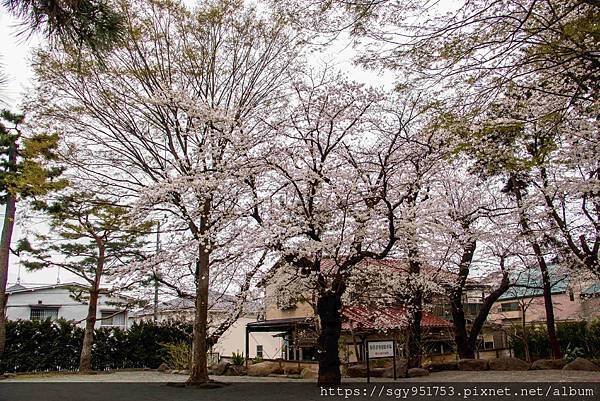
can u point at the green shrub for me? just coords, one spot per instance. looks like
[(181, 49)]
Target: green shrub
[(179, 356), (38, 346), (237, 359)]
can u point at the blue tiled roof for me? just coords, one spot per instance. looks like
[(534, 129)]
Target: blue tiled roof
[(592, 289), (529, 283)]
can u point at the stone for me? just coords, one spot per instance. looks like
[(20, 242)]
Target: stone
[(378, 372), (548, 364), (417, 372), (264, 369), (163, 367), (473, 364), (235, 370), (309, 374), (442, 366), (582, 364), (508, 363), (9, 375), (292, 370), (184, 372), (220, 368), (358, 370)]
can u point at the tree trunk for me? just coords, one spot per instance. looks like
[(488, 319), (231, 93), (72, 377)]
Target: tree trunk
[(7, 231), (461, 337), (199, 369), (414, 334), (537, 250), (525, 334), (329, 306), (550, 322), (85, 361)]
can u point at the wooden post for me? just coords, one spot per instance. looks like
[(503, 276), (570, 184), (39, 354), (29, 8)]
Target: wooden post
[(394, 342), (368, 367), (247, 345)]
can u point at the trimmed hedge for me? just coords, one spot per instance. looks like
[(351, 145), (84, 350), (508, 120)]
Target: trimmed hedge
[(37, 346), (582, 337)]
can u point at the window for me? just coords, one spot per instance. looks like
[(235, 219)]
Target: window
[(259, 351), (510, 307), (571, 295), (112, 318), (43, 313)]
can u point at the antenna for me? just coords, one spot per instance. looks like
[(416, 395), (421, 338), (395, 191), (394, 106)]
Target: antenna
[(57, 274)]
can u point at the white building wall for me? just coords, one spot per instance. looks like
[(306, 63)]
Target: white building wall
[(19, 304), (234, 340)]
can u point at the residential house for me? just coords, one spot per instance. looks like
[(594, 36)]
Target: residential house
[(232, 341), (573, 299), (368, 318), (65, 301)]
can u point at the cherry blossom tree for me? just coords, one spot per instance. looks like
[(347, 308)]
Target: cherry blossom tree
[(172, 122)]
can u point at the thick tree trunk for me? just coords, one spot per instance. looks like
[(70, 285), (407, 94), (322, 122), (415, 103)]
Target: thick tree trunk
[(85, 361), (461, 337), (329, 306), (199, 369), (7, 231), (414, 333)]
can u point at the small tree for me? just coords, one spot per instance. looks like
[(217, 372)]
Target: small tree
[(25, 172), (90, 237)]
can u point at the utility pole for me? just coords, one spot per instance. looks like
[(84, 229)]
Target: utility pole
[(156, 274)]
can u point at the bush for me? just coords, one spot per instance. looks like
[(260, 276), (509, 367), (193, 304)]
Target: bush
[(38, 346), (179, 356), (580, 338), (237, 359)]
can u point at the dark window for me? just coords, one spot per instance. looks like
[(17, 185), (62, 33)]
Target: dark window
[(509, 306), (43, 313), (113, 318), (571, 295), (259, 351)]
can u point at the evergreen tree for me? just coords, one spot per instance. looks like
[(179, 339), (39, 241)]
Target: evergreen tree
[(26, 172), (91, 238)]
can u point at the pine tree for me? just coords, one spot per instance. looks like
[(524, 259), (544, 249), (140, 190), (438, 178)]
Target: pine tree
[(92, 238), (26, 172)]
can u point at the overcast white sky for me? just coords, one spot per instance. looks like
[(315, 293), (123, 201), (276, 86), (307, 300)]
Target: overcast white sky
[(15, 57)]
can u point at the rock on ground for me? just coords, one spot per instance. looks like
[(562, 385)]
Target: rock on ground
[(442, 366), (219, 369), (292, 370), (582, 364), (473, 364), (163, 367), (417, 372), (548, 364), (264, 369), (508, 363), (309, 373), (359, 370)]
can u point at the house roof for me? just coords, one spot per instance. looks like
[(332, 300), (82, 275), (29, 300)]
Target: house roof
[(217, 303), (17, 288), (593, 289), (528, 284), (382, 318)]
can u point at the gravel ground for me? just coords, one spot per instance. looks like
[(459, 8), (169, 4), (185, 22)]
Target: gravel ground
[(446, 377)]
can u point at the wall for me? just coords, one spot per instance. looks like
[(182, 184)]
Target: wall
[(19, 304), (234, 340), (564, 309), (302, 309)]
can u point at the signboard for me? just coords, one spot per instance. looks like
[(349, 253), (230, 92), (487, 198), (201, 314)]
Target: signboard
[(381, 349)]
